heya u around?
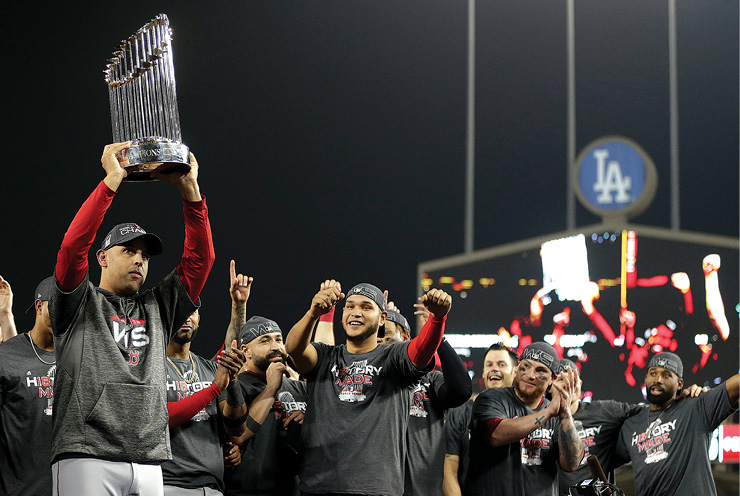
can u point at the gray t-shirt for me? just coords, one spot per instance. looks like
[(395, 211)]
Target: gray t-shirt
[(425, 438), (457, 437), (270, 458), (523, 468), (26, 401), (598, 424), (669, 448), (354, 434), (110, 395), (197, 456)]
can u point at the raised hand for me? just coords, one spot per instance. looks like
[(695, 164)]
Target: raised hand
[(6, 296), (114, 160), (328, 296), (437, 302), (229, 365), (187, 183), (240, 287), (564, 387)]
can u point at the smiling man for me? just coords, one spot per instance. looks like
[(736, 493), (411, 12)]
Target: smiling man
[(355, 388), (518, 437), (499, 364), (668, 443), (110, 418)]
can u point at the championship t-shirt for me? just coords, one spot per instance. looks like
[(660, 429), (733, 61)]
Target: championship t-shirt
[(598, 424), (197, 457), (26, 402), (668, 448), (523, 468), (270, 458), (354, 434), (426, 448), (457, 437)]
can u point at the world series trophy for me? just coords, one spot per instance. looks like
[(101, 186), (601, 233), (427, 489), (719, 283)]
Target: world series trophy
[(143, 102)]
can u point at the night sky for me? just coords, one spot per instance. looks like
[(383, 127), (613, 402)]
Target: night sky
[(331, 135)]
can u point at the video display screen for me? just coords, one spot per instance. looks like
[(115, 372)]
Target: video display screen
[(606, 300)]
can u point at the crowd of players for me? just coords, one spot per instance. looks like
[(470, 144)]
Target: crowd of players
[(104, 397)]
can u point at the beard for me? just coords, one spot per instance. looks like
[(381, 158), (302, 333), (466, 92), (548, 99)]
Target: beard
[(660, 399), (526, 396), (262, 362), (185, 338), (370, 331)]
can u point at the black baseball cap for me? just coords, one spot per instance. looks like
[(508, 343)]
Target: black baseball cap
[(369, 291), (43, 291), (123, 233)]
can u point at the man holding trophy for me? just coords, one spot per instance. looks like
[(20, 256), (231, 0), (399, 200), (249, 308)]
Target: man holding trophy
[(110, 431), (110, 420)]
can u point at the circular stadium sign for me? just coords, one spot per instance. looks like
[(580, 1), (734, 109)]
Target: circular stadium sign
[(614, 177)]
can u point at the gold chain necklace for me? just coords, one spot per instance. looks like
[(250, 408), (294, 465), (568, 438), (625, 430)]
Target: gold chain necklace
[(33, 347), (192, 364)]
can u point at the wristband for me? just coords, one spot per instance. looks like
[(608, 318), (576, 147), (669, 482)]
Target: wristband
[(252, 424), (235, 422), (234, 396), (328, 316)]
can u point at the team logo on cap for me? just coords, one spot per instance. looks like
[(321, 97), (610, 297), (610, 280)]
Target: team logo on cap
[(133, 228), (538, 356), (666, 363), (264, 328), (366, 291)]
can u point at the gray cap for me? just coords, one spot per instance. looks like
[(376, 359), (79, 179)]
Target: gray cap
[(669, 361), (568, 364), (399, 319), (369, 291), (255, 327), (543, 353)]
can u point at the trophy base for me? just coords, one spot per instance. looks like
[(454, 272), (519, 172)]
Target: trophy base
[(150, 154)]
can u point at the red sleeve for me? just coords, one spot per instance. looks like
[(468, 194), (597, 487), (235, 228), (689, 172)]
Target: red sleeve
[(183, 410), (198, 254), (486, 429), (422, 347), (72, 256)]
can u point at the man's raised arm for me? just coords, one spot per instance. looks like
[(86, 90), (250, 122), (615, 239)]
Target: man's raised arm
[(7, 320), (298, 343), (239, 289), (72, 256), (570, 445), (422, 348), (198, 254)]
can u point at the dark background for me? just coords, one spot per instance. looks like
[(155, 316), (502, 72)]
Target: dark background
[(331, 135)]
